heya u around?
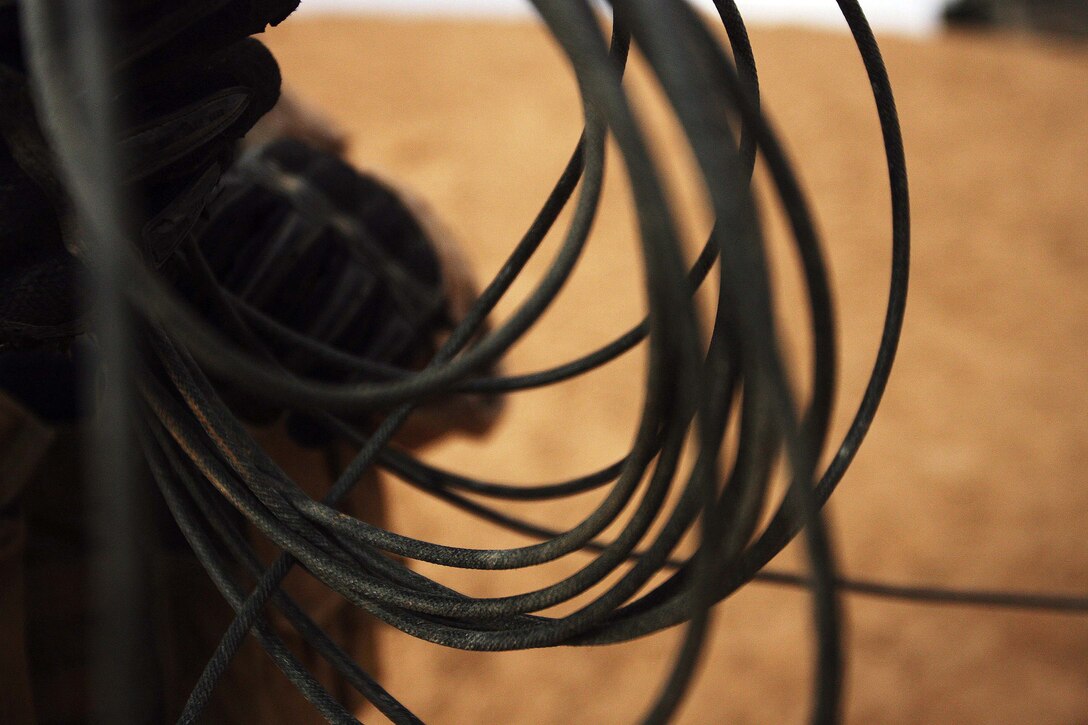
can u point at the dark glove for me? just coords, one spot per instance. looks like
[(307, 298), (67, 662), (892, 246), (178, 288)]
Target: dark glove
[(298, 236), (191, 85)]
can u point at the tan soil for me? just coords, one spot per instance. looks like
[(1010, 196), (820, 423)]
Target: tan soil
[(974, 474)]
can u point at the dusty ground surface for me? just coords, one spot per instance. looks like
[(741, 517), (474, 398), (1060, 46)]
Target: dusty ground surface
[(974, 474)]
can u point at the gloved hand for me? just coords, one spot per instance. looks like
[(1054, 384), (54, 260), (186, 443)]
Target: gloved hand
[(297, 237), (191, 85)]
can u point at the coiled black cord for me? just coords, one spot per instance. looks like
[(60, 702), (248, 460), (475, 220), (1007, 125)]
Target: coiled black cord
[(208, 467)]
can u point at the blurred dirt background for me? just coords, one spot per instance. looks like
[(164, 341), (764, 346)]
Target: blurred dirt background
[(974, 473)]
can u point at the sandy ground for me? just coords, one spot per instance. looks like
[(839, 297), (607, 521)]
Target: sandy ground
[(974, 472)]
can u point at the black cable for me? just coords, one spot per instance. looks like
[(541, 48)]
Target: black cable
[(436, 485), (672, 401), (209, 469), (121, 641)]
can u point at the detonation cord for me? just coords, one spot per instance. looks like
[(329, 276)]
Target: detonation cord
[(208, 468)]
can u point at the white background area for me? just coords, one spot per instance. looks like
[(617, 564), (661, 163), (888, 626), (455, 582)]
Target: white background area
[(907, 16)]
